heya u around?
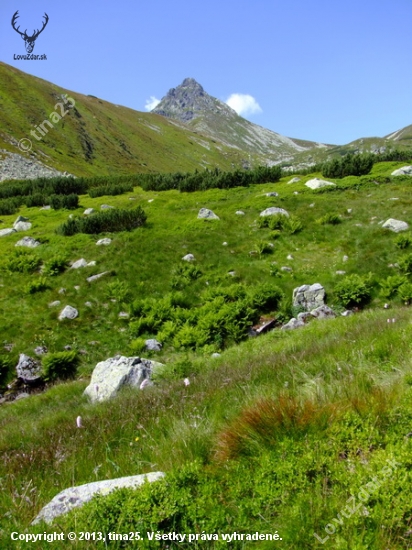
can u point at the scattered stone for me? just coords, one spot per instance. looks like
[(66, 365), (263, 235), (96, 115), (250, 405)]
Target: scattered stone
[(224, 244), (273, 211), (28, 370), (95, 277), (264, 325), (349, 211), (294, 180), (309, 296), (110, 375), (40, 350), (286, 268), (323, 312), (295, 192), (386, 306), (21, 395), (7, 232), (272, 194), (75, 497), (188, 258), (91, 264), (76, 287), (404, 171), (88, 304), (317, 183), (105, 242), (62, 291), (293, 324), (153, 345), (150, 200), (393, 199), (79, 263), (105, 206), (345, 258), (232, 273), (239, 213), (215, 354), (123, 315), (47, 207), (304, 316), (206, 214), (67, 348), (289, 257), (89, 211), (68, 312), (28, 242), (395, 225), (312, 205), (347, 312), (340, 272), (22, 226)]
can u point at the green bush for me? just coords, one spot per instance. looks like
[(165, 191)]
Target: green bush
[(71, 202), (60, 365), (349, 165), (5, 366), (22, 261), (137, 346), (55, 266), (354, 290), (37, 286), (330, 219), (110, 190), (403, 241), (405, 264), (111, 220), (265, 298), (292, 225), (118, 290), (405, 292), (390, 287)]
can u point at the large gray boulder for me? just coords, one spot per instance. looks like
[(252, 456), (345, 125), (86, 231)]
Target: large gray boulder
[(74, 497), (28, 370), (114, 373), (274, 211), (404, 171), (395, 225), (317, 183), (309, 296), (206, 214)]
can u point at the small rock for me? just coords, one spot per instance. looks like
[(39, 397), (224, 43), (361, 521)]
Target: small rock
[(91, 264), (40, 350), (395, 225), (7, 232), (104, 242), (22, 226), (312, 205), (293, 324), (105, 206), (340, 272), (347, 313), (349, 211), (123, 315), (150, 200), (79, 263), (224, 244), (28, 370), (239, 213), (272, 194), (88, 304), (294, 180), (89, 211), (76, 287), (29, 242), (273, 211), (67, 348), (323, 312), (317, 183), (289, 257), (215, 354), (62, 291), (295, 192), (286, 268), (55, 303), (95, 277), (404, 171), (188, 258), (232, 273), (345, 258), (205, 213), (47, 207), (68, 312), (153, 345)]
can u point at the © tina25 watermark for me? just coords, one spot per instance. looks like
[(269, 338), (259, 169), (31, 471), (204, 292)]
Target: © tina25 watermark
[(29, 41), (26, 145), (363, 496)]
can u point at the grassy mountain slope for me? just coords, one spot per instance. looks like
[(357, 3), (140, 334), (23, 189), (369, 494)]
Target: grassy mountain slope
[(273, 435), (98, 137)]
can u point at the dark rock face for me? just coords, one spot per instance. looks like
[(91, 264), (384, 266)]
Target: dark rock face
[(28, 370)]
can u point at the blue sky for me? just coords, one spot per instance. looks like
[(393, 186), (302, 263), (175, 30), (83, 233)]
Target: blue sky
[(320, 70)]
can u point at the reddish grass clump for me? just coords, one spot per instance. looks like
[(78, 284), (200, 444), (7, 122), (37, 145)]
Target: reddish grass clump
[(266, 422)]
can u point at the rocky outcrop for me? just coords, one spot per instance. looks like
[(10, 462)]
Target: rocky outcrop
[(309, 296), (404, 171), (74, 497), (114, 373), (28, 370), (29, 242), (15, 166)]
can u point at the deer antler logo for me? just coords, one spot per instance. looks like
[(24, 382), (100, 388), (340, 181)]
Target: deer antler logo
[(29, 41)]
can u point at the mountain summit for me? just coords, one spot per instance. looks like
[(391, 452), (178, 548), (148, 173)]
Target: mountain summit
[(188, 103)]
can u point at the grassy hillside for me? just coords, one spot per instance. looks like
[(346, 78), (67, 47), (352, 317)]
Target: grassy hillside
[(97, 137), (277, 432)]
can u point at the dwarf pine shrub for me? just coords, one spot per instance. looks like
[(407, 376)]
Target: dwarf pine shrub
[(110, 189), (111, 220)]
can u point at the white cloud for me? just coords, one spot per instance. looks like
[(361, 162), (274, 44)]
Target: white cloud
[(151, 103), (243, 104)]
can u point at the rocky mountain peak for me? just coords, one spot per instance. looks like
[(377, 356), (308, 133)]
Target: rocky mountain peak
[(188, 101)]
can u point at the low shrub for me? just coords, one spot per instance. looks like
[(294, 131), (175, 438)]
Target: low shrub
[(403, 241), (57, 202), (22, 261), (55, 266), (330, 219), (111, 190), (118, 290), (265, 298), (137, 346), (5, 366), (405, 264), (354, 290), (405, 293), (37, 286), (60, 365), (390, 287)]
